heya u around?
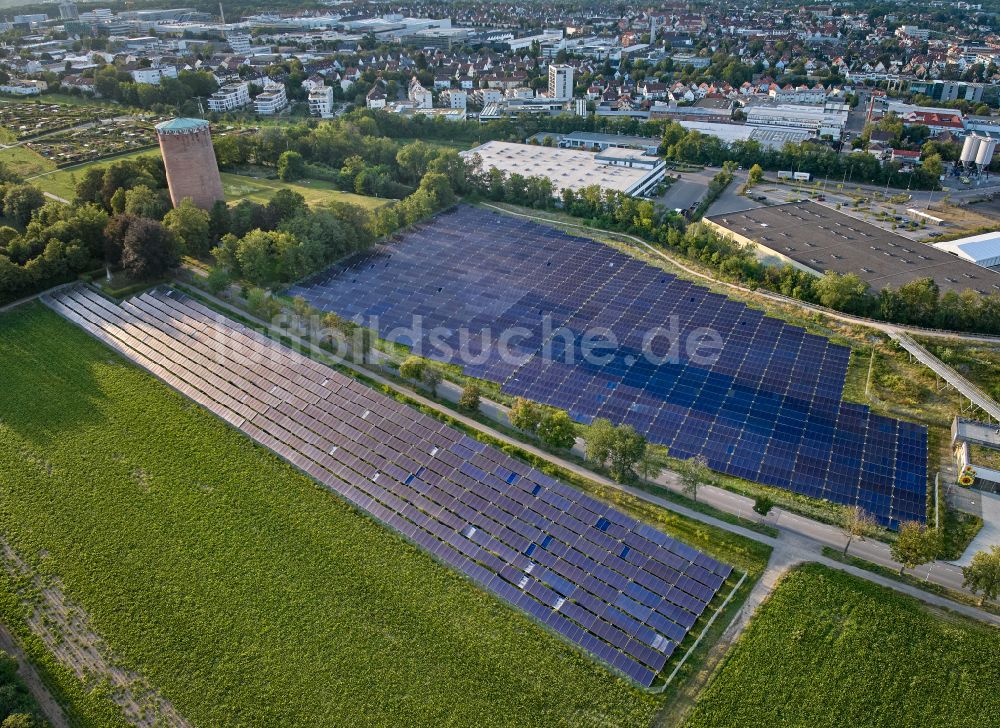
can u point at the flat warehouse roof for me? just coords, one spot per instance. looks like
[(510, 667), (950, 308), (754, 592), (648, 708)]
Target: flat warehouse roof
[(980, 249), (566, 168), (823, 239)]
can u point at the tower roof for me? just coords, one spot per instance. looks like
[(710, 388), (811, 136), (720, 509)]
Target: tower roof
[(181, 125)]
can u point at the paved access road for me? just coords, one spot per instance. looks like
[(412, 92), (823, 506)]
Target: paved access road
[(687, 190), (731, 200), (989, 536)]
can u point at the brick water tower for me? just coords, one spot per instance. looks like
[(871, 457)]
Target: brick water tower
[(186, 146)]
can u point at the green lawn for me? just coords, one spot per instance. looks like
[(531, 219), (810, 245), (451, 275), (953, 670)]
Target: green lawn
[(62, 182), (73, 100), (318, 193), (244, 592), (828, 649), (24, 161)]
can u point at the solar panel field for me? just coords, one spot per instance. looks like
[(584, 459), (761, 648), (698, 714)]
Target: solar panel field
[(830, 650), (238, 587), (768, 409)]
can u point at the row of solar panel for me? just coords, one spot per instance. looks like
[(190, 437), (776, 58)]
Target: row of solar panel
[(784, 357), (296, 387)]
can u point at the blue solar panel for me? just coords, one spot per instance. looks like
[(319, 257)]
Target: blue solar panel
[(767, 409)]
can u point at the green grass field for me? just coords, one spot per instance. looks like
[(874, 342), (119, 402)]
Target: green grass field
[(24, 161), (317, 193), (459, 146), (828, 649), (980, 364), (244, 592)]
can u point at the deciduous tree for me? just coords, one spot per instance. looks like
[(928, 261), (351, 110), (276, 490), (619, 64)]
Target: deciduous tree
[(431, 377), (470, 397), (148, 250), (857, 523), (291, 166), (190, 225), (525, 415), (627, 449), (412, 368), (19, 201), (694, 473), (983, 574), (556, 429), (599, 440), (915, 544)]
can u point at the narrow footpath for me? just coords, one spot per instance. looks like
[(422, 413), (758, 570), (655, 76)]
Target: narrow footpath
[(39, 691)]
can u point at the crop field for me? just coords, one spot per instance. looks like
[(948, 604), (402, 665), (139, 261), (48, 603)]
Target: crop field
[(244, 593), (317, 193), (827, 649)]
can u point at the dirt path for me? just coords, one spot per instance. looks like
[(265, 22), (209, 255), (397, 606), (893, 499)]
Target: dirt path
[(39, 691), (67, 633), (783, 558)]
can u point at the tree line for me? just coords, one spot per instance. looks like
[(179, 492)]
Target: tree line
[(275, 243), (116, 84)]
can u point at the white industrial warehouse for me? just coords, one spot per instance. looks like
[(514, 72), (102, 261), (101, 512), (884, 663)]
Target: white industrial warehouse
[(982, 249), (625, 170)]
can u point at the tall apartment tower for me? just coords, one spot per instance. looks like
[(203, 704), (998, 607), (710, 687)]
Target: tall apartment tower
[(68, 11), (560, 81), (186, 146)]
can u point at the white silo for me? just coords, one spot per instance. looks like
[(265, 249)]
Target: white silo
[(984, 155), (970, 148)]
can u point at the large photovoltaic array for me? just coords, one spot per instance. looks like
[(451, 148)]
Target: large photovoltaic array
[(622, 590), (768, 409)]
